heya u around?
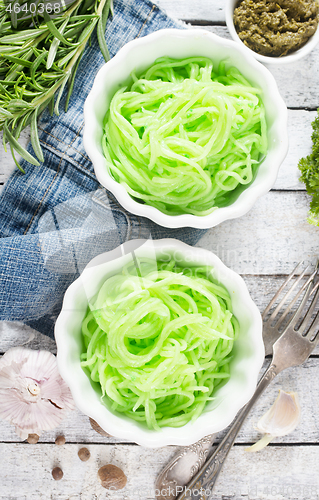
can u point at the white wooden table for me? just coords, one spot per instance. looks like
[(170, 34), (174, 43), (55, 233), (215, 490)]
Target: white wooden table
[(262, 246)]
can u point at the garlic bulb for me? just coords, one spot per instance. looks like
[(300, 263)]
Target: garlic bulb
[(281, 419), (33, 396)]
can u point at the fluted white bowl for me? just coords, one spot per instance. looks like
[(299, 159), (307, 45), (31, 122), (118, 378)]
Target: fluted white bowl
[(138, 55), (248, 351)]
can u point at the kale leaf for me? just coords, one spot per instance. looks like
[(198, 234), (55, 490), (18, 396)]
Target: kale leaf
[(309, 168)]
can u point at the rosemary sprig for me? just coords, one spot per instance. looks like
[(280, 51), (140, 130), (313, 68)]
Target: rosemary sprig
[(39, 56)]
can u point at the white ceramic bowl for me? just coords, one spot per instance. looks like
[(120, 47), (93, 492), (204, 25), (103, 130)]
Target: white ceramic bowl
[(290, 58), (138, 55), (244, 368)]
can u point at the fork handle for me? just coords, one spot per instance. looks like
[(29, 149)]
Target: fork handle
[(201, 486)]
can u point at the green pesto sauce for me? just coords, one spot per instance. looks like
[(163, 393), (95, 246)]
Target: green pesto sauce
[(275, 28)]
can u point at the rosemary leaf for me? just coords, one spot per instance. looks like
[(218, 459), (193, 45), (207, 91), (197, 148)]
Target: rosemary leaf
[(36, 63), (54, 46), (87, 31), (14, 15), (62, 62), (51, 106), (21, 123), (19, 60), (71, 83), (17, 104), (4, 113), (55, 32), (35, 137), (56, 107), (21, 36), (101, 29), (17, 147), (15, 161)]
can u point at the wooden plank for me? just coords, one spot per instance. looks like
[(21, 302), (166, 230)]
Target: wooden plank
[(300, 143), (278, 472), (270, 239), (194, 10)]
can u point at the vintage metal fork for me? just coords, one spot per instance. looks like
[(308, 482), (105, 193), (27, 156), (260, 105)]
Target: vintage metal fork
[(181, 469), (293, 347)]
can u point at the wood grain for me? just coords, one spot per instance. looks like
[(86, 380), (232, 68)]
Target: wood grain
[(279, 472), (194, 10), (261, 241)]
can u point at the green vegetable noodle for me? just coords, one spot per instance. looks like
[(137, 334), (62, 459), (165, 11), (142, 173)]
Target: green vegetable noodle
[(184, 135), (158, 340)]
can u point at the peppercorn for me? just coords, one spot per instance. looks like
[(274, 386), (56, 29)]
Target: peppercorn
[(33, 438), (60, 440), (84, 454), (57, 473)]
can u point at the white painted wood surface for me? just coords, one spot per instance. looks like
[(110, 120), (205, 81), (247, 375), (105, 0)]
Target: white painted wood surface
[(263, 245), (285, 473), (195, 10)]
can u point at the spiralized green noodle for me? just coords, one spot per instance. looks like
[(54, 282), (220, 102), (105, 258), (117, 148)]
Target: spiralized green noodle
[(158, 340), (184, 135)]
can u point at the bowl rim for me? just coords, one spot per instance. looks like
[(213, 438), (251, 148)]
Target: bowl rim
[(246, 199), (79, 383), (278, 60)]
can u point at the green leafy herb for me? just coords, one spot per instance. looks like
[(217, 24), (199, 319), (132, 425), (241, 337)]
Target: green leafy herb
[(40, 50), (309, 168)]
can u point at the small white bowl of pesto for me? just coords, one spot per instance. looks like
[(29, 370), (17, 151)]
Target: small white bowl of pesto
[(185, 128), (159, 342), (274, 32)]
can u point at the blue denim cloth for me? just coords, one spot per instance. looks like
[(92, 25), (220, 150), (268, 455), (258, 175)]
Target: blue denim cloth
[(56, 217)]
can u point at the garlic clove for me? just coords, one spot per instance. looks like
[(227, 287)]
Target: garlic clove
[(281, 419)]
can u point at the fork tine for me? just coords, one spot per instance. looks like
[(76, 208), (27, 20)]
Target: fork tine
[(299, 311), (311, 332), (309, 314), (291, 275), (296, 315), (288, 293), (314, 288)]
